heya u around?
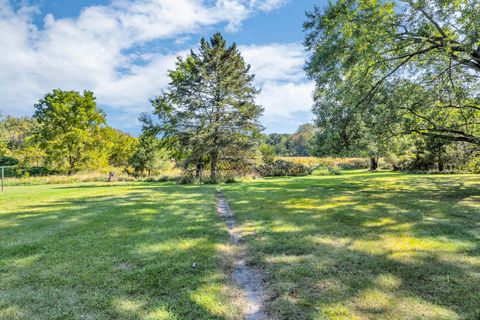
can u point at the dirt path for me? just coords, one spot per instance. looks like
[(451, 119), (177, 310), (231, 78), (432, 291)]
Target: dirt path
[(246, 277)]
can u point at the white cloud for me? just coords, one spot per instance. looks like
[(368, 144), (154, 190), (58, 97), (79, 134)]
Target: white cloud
[(286, 99), (87, 52), (279, 74), (269, 5)]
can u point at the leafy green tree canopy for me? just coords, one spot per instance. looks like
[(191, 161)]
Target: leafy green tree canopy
[(148, 155), (418, 58), (68, 125)]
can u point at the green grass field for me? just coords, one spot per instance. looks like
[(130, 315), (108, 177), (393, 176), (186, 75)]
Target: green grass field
[(96, 251), (365, 246), (355, 246)]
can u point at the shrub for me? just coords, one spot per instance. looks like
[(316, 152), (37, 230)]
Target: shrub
[(280, 168), (474, 165), (334, 170), (38, 171), (268, 153), (8, 161), (187, 178), (230, 179)]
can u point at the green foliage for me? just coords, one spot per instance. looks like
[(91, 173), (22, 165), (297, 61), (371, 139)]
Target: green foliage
[(16, 140), (14, 132), (8, 161), (474, 164), (118, 146), (426, 153), (334, 170), (68, 127), (384, 69), (208, 114), (22, 138), (148, 157), (281, 168), (301, 143), (268, 153)]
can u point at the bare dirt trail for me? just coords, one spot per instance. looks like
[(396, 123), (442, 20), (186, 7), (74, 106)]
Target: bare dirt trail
[(246, 277)]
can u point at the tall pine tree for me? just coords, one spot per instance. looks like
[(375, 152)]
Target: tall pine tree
[(208, 111)]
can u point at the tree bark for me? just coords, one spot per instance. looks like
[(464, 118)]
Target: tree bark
[(71, 169), (441, 164), (199, 170), (214, 166), (373, 163)]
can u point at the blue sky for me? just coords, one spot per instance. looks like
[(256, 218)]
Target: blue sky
[(122, 50)]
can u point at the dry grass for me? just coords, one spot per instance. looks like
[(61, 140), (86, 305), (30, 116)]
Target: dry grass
[(97, 176), (342, 163)]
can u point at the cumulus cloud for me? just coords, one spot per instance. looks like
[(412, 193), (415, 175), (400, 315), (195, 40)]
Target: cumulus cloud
[(92, 51), (286, 92)]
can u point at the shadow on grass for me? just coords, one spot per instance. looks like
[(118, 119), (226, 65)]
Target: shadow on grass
[(375, 246), (114, 256)]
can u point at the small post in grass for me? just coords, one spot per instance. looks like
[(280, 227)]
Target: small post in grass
[(3, 176)]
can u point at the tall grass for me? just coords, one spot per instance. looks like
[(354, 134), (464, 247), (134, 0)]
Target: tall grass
[(325, 162), (95, 176)]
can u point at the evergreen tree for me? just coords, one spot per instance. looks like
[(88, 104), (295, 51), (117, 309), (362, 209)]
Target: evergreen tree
[(208, 112)]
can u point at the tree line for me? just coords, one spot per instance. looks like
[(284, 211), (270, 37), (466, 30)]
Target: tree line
[(66, 134)]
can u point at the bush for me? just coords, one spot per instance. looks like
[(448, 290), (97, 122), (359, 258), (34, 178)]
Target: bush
[(281, 168), (474, 165), (334, 170), (8, 161), (268, 153), (38, 171), (230, 180), (164, 178)]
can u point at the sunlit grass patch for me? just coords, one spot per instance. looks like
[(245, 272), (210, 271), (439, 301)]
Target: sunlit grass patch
[(365, 245), (112, 251)]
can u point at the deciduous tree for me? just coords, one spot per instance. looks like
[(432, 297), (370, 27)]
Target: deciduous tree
[(69, 123), (426, 53)]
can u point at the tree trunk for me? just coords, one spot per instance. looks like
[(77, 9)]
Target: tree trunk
[(199, 170), (373, 163), (441, 164), (112, 177), (214, 166), (71, 169)]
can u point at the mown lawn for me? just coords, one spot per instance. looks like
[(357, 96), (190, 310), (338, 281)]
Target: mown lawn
[(365, 245), (355, 246), (97, 251)]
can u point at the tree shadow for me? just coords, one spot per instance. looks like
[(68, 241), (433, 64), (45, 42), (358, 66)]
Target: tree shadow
[(111, 256), (365, 246)]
